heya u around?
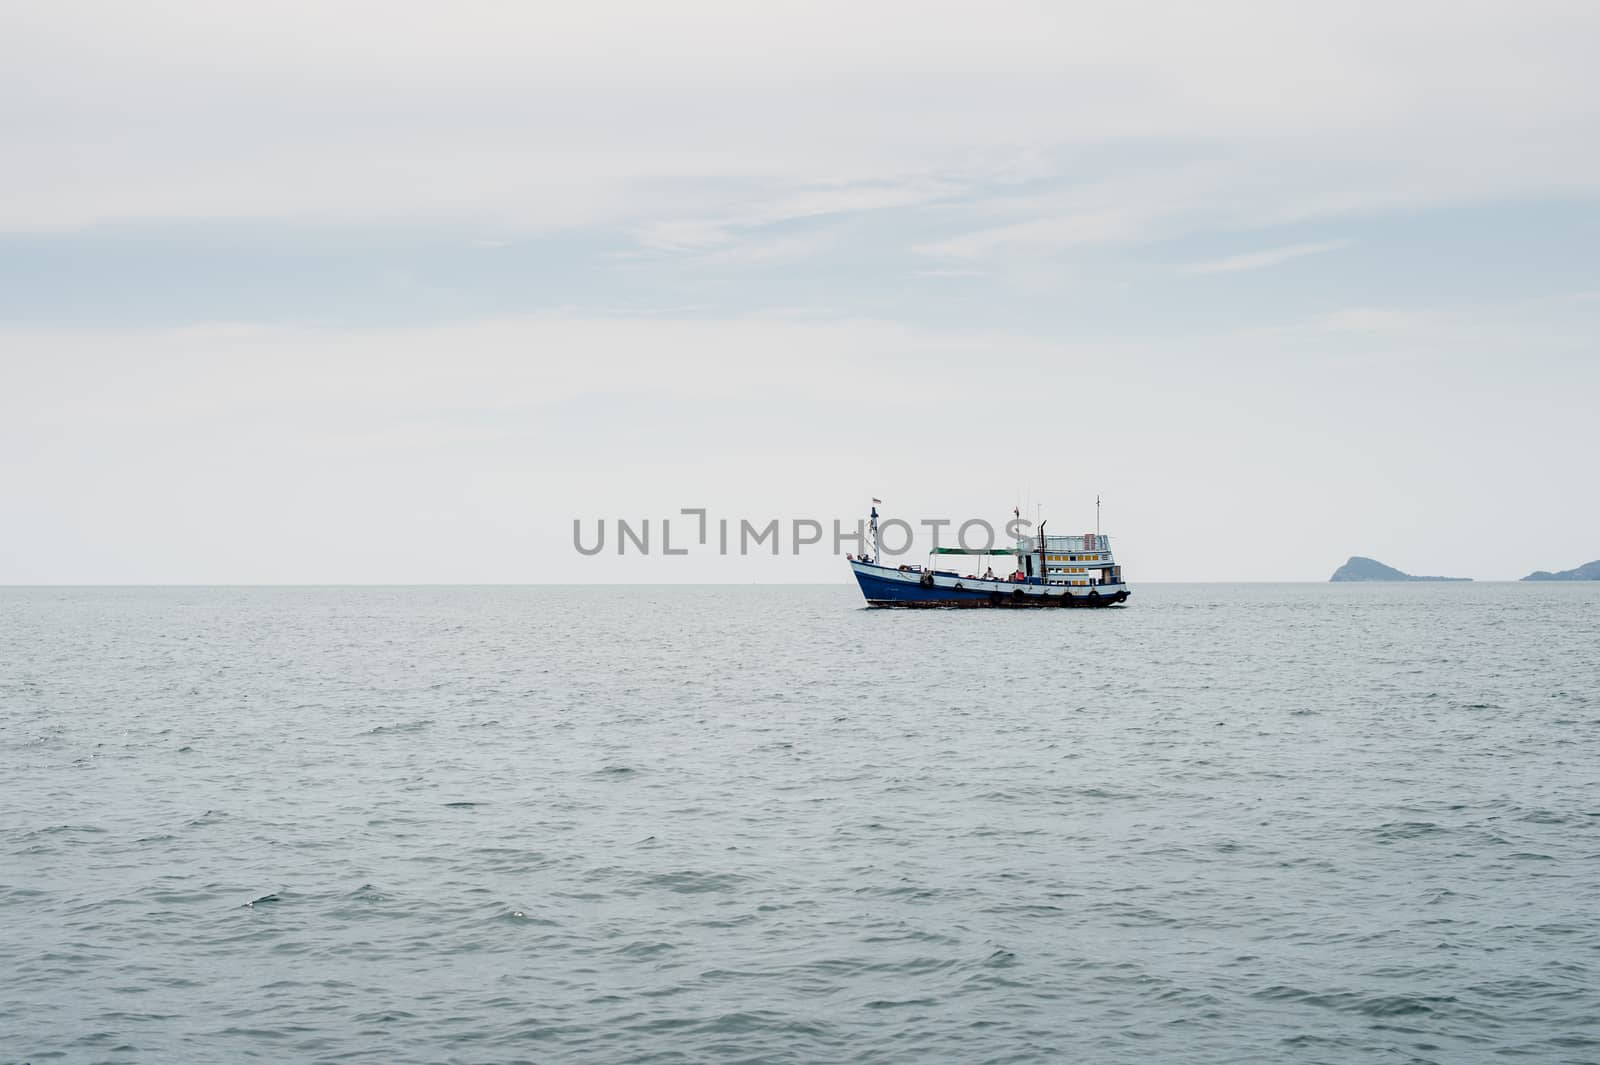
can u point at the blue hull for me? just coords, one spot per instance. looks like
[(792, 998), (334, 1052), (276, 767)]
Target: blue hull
[(881, 591)]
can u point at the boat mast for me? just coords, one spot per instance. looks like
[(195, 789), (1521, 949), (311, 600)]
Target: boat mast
[(877, 552)]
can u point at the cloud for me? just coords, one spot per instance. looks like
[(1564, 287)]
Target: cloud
[(628, 115), (1106, 226), (749, 208), (1384, 321), (461, 453), (1260, 260), (787, 248)]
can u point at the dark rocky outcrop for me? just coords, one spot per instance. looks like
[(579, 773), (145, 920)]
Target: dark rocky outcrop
[(1589, 571), (1368, 569)]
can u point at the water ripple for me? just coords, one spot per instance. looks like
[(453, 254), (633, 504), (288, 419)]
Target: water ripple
[(762, 825)]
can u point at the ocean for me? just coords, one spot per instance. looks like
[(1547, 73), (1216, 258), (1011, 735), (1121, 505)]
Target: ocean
[(1229, 823)]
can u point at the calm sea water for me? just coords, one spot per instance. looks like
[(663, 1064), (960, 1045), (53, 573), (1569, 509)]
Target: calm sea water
[(1229, 823)]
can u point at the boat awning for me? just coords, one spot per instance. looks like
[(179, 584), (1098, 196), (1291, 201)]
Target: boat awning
[(974, 551)]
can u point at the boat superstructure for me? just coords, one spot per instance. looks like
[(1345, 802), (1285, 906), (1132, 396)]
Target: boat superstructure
[(1039, 571)]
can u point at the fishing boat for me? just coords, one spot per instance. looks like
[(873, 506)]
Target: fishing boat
[(1040, 571)]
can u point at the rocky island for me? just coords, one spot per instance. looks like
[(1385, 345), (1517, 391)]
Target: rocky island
[(1369, 569), (1589, 571)]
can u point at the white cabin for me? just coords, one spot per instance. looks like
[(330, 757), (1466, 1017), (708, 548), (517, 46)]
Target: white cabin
[(1075, 561)]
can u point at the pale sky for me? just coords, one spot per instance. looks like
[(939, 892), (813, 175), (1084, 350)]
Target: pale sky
[(393, 292)]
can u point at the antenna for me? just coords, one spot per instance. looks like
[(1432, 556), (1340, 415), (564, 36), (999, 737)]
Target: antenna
[(1097, 515)]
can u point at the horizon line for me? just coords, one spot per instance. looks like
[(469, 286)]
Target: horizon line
[(682, 584)]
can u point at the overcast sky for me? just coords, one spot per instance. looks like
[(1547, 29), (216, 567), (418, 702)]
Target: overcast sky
[(394, 292)]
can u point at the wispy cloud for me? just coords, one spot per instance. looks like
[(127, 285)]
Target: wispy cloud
[(1260, 260), (617, 115), (741, 227), (787, 248), (1388, 321), (1041, 235)]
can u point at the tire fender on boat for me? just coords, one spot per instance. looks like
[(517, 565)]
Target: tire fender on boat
[(926, 581)]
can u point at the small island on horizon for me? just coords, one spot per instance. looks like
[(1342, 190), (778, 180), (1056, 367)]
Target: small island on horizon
[(1589, 571), (1360, 568)]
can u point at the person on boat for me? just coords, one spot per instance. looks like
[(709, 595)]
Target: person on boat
[(988, 574)]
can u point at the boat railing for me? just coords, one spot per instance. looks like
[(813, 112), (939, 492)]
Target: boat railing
[(1089, 542)]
